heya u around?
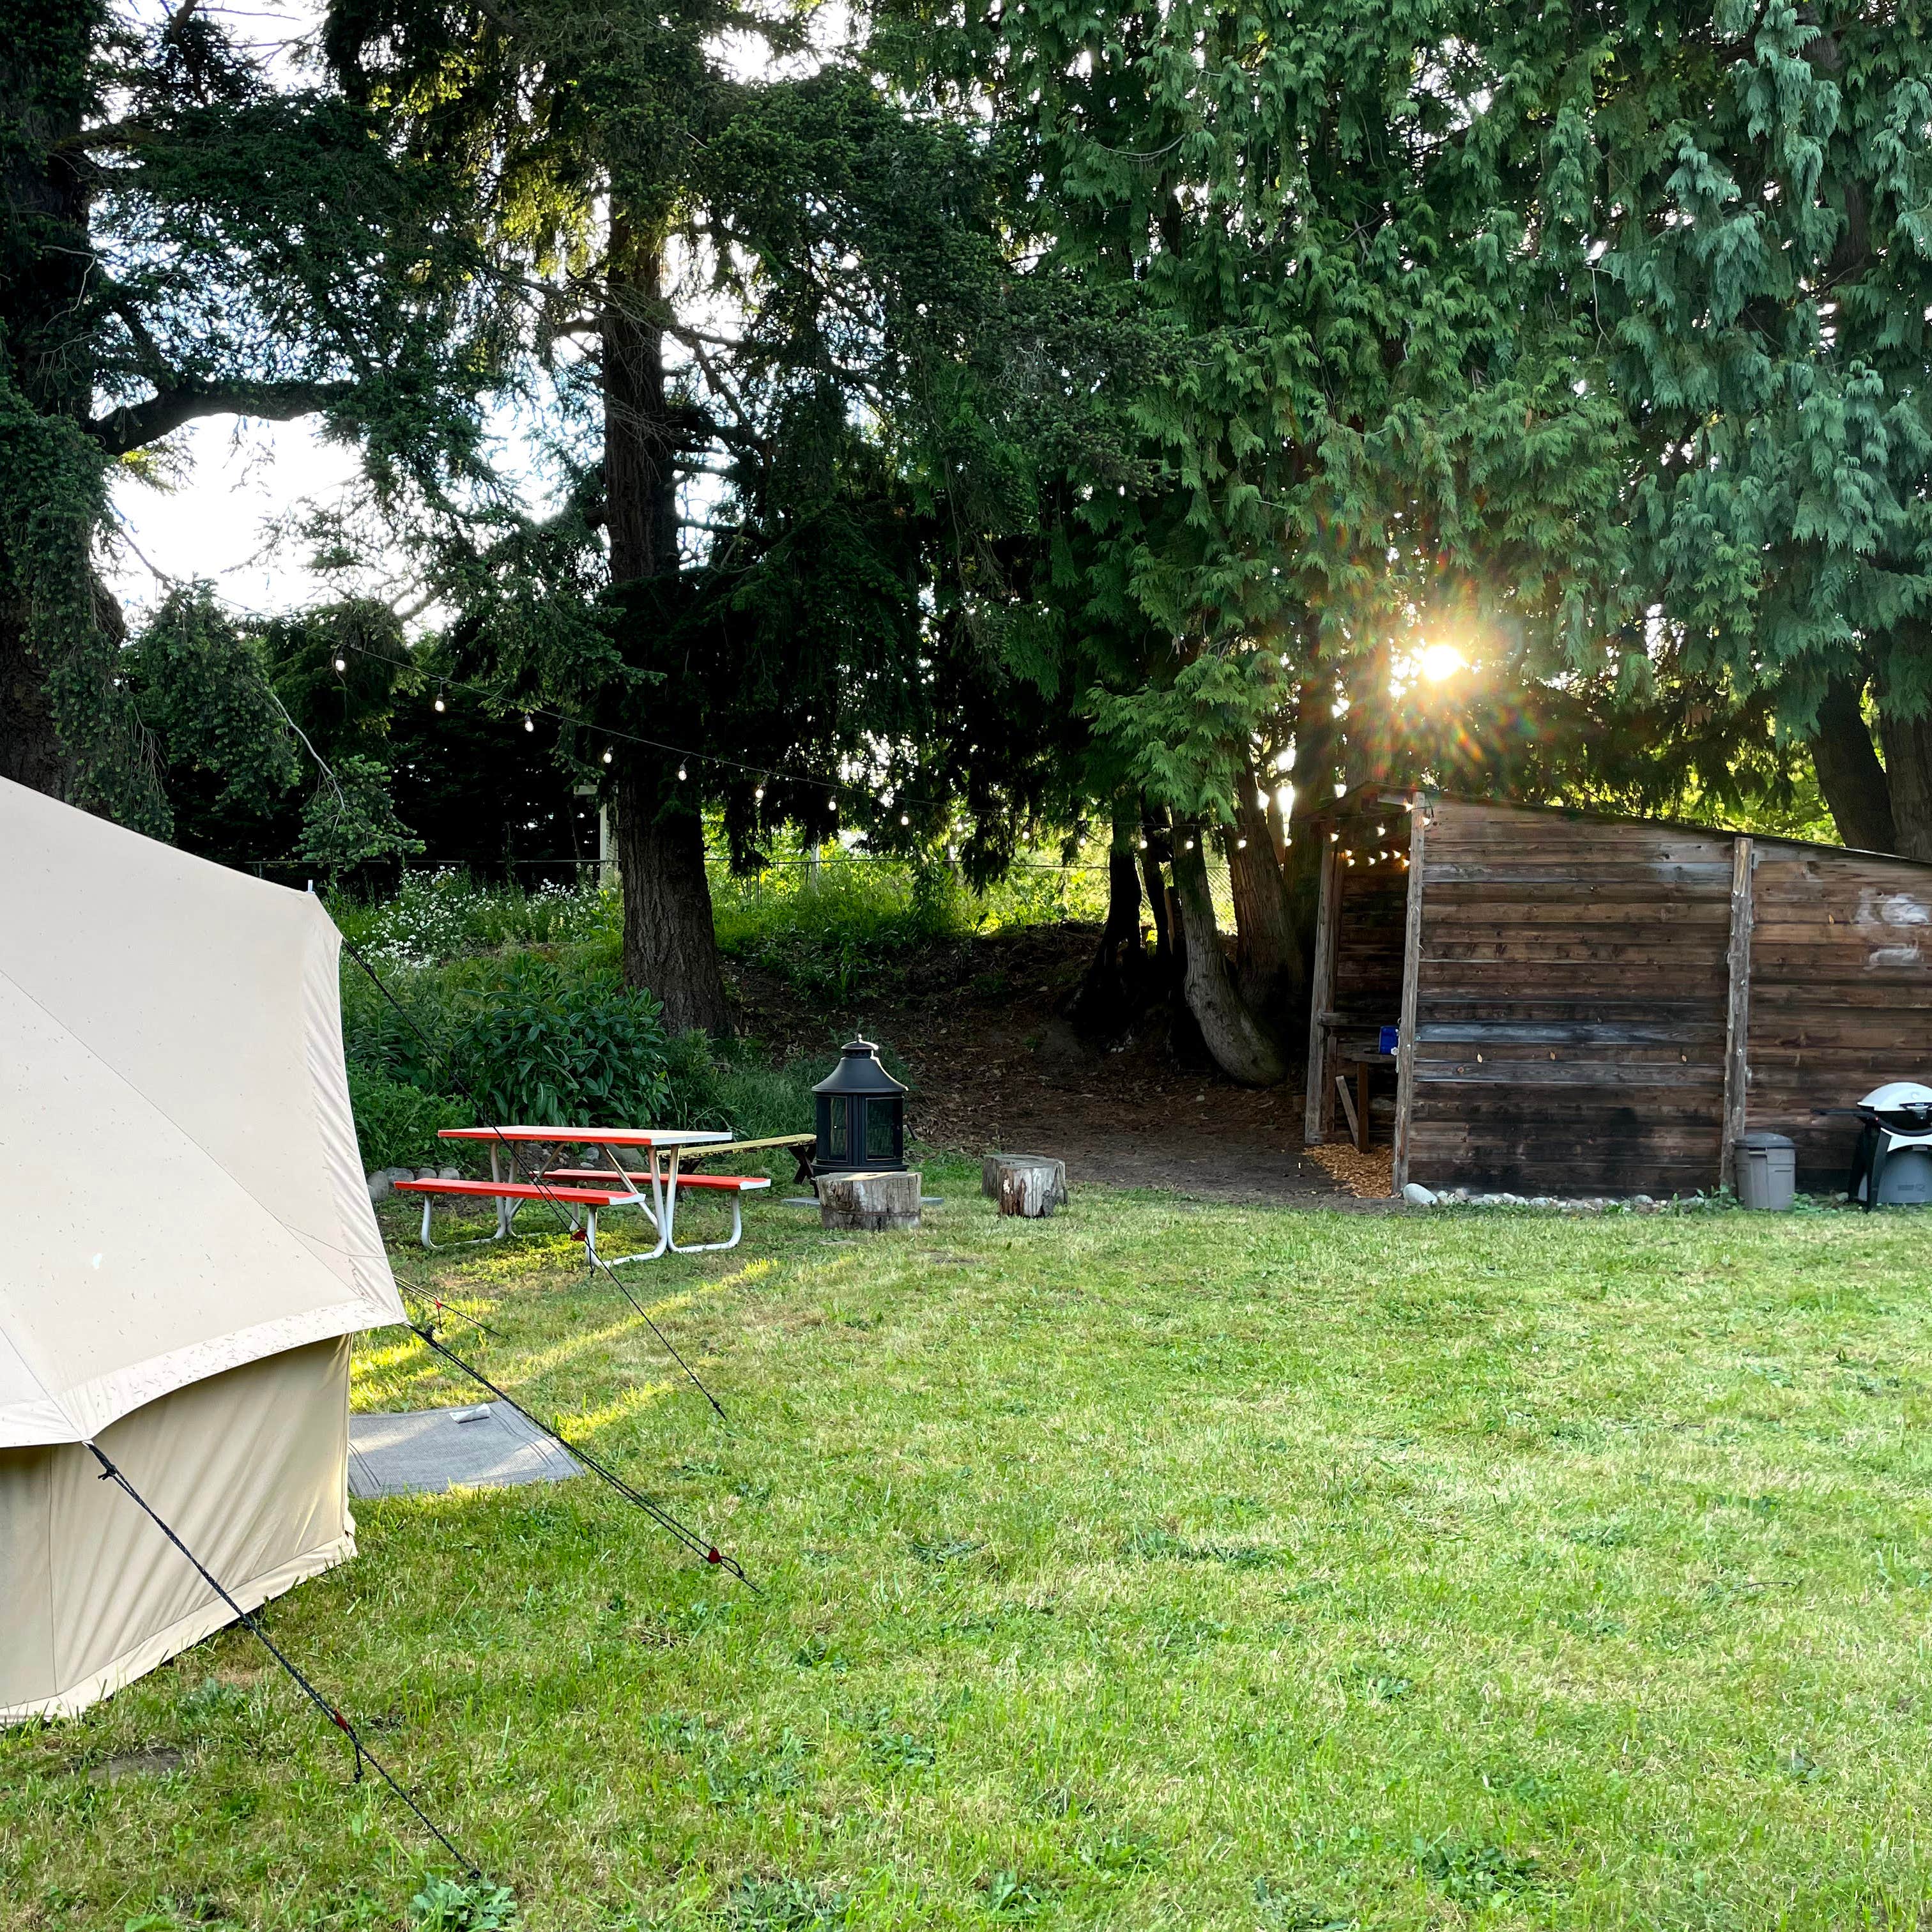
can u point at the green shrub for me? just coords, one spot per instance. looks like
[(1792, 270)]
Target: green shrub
[(535, 1046), (730, 1084), (433, 917), (396, 1124)]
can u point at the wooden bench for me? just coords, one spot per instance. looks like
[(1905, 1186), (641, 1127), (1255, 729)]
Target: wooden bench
[(802, 1146)]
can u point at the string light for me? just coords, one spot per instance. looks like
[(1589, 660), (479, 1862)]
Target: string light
[(1334, 838), (1240, 845), (1143, 845), (759, 794), (440, 703), (1190, 845)]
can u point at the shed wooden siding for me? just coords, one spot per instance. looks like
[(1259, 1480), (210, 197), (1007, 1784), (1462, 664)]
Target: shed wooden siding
[(1841, 994), (1570, 1002)]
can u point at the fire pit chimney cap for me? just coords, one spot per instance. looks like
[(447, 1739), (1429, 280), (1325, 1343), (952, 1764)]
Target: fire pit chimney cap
[(858, 1072)]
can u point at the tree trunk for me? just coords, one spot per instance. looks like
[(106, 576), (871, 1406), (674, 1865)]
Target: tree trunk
[(30, 749), (669, 943), (1908, 771), (1850, 775), (639, 477), (44, 179), (1243, 1049), (1111, 996), (1268, 964)]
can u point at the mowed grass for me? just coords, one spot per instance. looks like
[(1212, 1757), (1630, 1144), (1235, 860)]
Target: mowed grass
[(1154, 1566)]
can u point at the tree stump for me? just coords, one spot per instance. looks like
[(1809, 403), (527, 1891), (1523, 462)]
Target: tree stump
[(870, 1203), (1029, 1184)]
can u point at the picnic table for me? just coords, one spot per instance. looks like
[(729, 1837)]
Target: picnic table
[(593, 1187)]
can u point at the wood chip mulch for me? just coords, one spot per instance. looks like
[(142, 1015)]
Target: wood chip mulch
[(1369, 1176)]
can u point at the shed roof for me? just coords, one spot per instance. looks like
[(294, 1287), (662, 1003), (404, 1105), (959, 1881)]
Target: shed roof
[(1363, 797)]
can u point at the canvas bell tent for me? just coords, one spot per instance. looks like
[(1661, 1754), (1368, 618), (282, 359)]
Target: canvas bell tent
[(186, 1246)]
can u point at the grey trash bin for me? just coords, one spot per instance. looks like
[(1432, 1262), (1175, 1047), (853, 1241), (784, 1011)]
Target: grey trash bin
[(1767, 1170)]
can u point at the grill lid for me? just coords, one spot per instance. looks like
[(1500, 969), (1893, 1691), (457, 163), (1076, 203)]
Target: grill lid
[(1905, 1106)]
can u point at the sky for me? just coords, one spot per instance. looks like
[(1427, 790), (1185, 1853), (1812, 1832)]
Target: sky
[(239, 479), (218, 523)]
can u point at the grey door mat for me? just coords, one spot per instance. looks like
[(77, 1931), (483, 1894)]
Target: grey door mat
[(424, 1451)]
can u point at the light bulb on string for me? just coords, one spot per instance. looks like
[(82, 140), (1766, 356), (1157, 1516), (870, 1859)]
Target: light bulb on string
[(1334, 838), (607, 754), (441, 703), (1240, 845), (904, 820), (759, 794), (529, 723), (1190, 845), (682, 774), (342, 663)]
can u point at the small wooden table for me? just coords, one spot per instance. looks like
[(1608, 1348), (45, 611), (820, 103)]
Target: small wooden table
[(1356, 1109), (659, 1207)]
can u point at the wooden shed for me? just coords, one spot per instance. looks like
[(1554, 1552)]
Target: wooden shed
[(1586, 1005)]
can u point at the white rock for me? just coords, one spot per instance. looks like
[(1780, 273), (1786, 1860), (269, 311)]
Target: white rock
[(380, 1188), (449, 1174), (400, 1173), (1416, 1195)]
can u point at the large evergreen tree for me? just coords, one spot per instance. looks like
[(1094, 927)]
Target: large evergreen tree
[(737, 293), (1747, 203), (1361, 428), (180, 237)]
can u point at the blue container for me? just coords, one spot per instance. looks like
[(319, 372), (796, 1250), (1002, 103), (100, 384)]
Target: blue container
[(1391, 1037)]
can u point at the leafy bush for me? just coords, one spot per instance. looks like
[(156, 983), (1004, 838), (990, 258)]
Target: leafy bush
[(841, 931), (396, 1125), (537, 1047), (729, 1085), (433, 917)]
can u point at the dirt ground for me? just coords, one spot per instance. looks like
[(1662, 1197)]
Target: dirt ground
[(995, 1066)]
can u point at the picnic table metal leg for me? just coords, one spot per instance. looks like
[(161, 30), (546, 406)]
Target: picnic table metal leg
[(737, 1231), (657, 1210)]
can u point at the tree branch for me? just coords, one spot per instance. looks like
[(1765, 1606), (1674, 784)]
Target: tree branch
[(134, 425)]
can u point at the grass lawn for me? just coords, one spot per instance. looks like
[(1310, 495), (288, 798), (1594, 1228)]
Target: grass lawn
[(1150, 1566)]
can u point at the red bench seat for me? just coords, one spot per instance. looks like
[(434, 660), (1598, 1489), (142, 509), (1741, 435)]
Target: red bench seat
[(743, 1183), (515, 1190)]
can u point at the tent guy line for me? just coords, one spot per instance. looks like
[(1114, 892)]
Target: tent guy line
[(556, 1207), (699, 1546), (109, 1473)]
